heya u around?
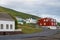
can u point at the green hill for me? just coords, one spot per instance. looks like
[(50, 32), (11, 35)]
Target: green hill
[(16, 13), (26, 28)]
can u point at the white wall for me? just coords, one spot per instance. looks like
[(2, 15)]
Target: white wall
[(31, 21), (50, 27), (53, 27), (7, 22)]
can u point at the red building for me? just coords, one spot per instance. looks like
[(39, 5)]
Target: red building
[(47, 22)]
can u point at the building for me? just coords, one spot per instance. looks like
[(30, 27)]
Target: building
[(48, 23), (20, 20), (31, 20), (7, 23)]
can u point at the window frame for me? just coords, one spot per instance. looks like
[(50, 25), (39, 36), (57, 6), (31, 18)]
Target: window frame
[(1, 26), (11, 26), (7, 26)]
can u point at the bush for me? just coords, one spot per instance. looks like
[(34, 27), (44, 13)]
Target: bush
[(58, 24)]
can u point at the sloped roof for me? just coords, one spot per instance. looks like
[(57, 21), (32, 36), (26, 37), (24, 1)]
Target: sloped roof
[(5, 17)]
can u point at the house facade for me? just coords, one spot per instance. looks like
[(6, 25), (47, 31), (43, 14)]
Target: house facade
[(47, 22), (20, 20), (31, 20), (7, 23)]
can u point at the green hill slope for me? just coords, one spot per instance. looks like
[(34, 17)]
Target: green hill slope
[(26, 28), (16, 13)]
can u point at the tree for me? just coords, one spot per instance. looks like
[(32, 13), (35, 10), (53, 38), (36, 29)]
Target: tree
[(58, 24)]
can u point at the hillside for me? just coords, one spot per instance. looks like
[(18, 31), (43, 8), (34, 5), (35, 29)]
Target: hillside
[(26, 28), (16, 13)]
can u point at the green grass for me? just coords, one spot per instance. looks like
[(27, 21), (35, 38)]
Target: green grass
[(58, 23), (28, 29)]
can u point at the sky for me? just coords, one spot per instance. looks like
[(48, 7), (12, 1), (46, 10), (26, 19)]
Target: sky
[(41, 8)]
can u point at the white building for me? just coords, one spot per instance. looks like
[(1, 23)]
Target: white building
[(7, 23), (31, 20), (19, 20)]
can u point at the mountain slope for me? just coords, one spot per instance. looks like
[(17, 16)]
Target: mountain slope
[(16, 13)]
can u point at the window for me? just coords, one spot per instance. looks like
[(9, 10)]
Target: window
[(56, 23), (1, 26), (52, 23), (44, 19), (52, 20), (7, 26), (44, 23), (40, 24), (11, 26)]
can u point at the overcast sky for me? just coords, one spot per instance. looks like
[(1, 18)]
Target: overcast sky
[(41, 8)]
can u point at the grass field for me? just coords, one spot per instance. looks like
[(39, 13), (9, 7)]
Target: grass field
[(29, 29)]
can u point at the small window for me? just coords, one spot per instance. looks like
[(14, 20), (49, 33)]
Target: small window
[(40, 24), (56, 23), (44, 23), (11, 26), (7, 26), (1, 26), (52, 23), (52, 20), (44, 19)]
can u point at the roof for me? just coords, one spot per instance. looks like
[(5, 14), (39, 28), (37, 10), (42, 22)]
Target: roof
[(5, 17), (47, 18)]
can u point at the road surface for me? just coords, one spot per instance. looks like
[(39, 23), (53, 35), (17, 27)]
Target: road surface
[(24, 36)]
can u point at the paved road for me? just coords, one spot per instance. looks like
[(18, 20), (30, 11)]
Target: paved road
[(52, 37), (22, 36)]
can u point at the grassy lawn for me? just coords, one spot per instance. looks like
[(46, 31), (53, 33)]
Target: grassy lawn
[(28, 29)]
